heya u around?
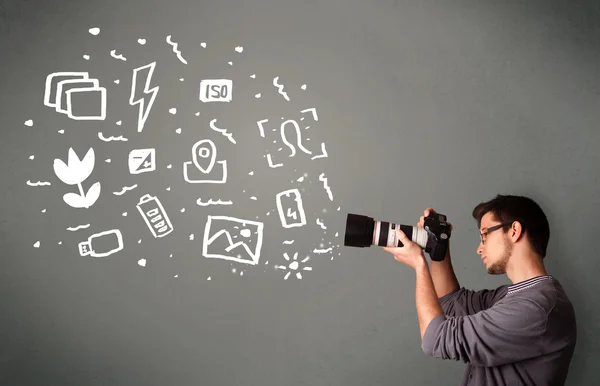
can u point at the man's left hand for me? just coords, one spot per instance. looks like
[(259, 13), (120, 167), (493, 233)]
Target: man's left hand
[(410, 253)]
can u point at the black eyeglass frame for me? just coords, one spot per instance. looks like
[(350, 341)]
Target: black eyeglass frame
[(491, 229)]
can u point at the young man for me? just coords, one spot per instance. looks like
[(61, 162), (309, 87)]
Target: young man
[(519, 334)]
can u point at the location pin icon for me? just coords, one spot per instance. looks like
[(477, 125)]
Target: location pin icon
[(204, 154)]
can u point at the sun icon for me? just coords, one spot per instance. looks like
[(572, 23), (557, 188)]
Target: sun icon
[(294, 265)]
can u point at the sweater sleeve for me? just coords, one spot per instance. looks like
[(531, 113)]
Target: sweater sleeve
[(509, 331), (462, 301)]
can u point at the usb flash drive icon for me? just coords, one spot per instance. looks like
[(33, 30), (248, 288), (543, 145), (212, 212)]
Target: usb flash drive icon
[(102, 244)]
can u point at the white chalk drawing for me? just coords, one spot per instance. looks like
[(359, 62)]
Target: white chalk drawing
[(96, 244), (39, 183), (292, 213), (280, 87), (216, 90), (142, 161), (204, 154), (72, 93), (221, 230), (298, 137), (325, 186), (211, 202), (284, 137), (222, 131), (294, 265), (74, 172), (322, 250), (74, 229), (155, 216), (320, 223), (28, 122), (323, 152), (142, 94), (37, 244), (94, 31), (261, 128), (239, 49), (110, 139), (288, 242), (114, 54), (125, 189), (313, 111), (141, 41), (175, 50), (142, 262)]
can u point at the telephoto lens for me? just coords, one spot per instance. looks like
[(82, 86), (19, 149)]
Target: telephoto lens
[(363, 231)]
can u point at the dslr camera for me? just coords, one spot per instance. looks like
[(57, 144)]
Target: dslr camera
[(363, 231)]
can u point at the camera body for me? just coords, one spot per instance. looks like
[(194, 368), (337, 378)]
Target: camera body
[(363, 231)]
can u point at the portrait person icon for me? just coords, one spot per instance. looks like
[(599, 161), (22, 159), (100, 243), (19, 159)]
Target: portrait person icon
[(202, 167)]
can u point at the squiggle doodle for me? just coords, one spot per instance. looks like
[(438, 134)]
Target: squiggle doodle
[(327, 188), (113, 53), (125, 189), (320, 223), (175, 50), (288, 242), (211, 202), (39, 183), (322, 250), (280, 87), (78, 227), (109, 139), (222, 131)]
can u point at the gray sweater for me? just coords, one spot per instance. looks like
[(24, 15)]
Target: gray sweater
[(520, 334)]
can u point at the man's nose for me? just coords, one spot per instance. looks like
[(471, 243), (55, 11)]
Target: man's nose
[(480, 248)]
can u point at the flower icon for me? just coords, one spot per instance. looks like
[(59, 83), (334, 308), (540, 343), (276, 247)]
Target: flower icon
[(74, 172)]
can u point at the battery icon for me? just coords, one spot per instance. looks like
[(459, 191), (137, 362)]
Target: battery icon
[(154, 215)]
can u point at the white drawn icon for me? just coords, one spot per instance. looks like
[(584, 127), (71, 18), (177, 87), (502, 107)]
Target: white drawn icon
[(72, 93), (291, 211), (74, 172), (175, 50), (294, 266), (216, 90), (219, 243), (102, 244), (291, 135), (142, 161), (141, 92), (280, 88), (155, 216), (204, 155)]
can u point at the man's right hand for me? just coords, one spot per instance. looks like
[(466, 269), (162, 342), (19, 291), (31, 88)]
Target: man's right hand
[(426, 213), (442, 273)]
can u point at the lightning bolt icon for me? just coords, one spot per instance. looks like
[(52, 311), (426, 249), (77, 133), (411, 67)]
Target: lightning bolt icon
[(144, 97)]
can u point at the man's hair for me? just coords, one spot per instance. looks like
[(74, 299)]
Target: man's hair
[(507, 208)]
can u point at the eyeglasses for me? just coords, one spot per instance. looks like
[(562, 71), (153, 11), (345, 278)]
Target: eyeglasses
[(483, 235)]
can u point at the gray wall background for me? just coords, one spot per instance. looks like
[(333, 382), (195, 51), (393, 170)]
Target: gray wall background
[(420, 103)]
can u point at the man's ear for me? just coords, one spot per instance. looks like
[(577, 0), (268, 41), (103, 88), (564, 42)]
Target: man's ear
[(516, 231)]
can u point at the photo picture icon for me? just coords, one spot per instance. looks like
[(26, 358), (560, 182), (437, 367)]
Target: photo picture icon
[(75, 95)]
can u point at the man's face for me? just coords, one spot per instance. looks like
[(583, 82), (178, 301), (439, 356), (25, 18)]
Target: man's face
[(497, 249)]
